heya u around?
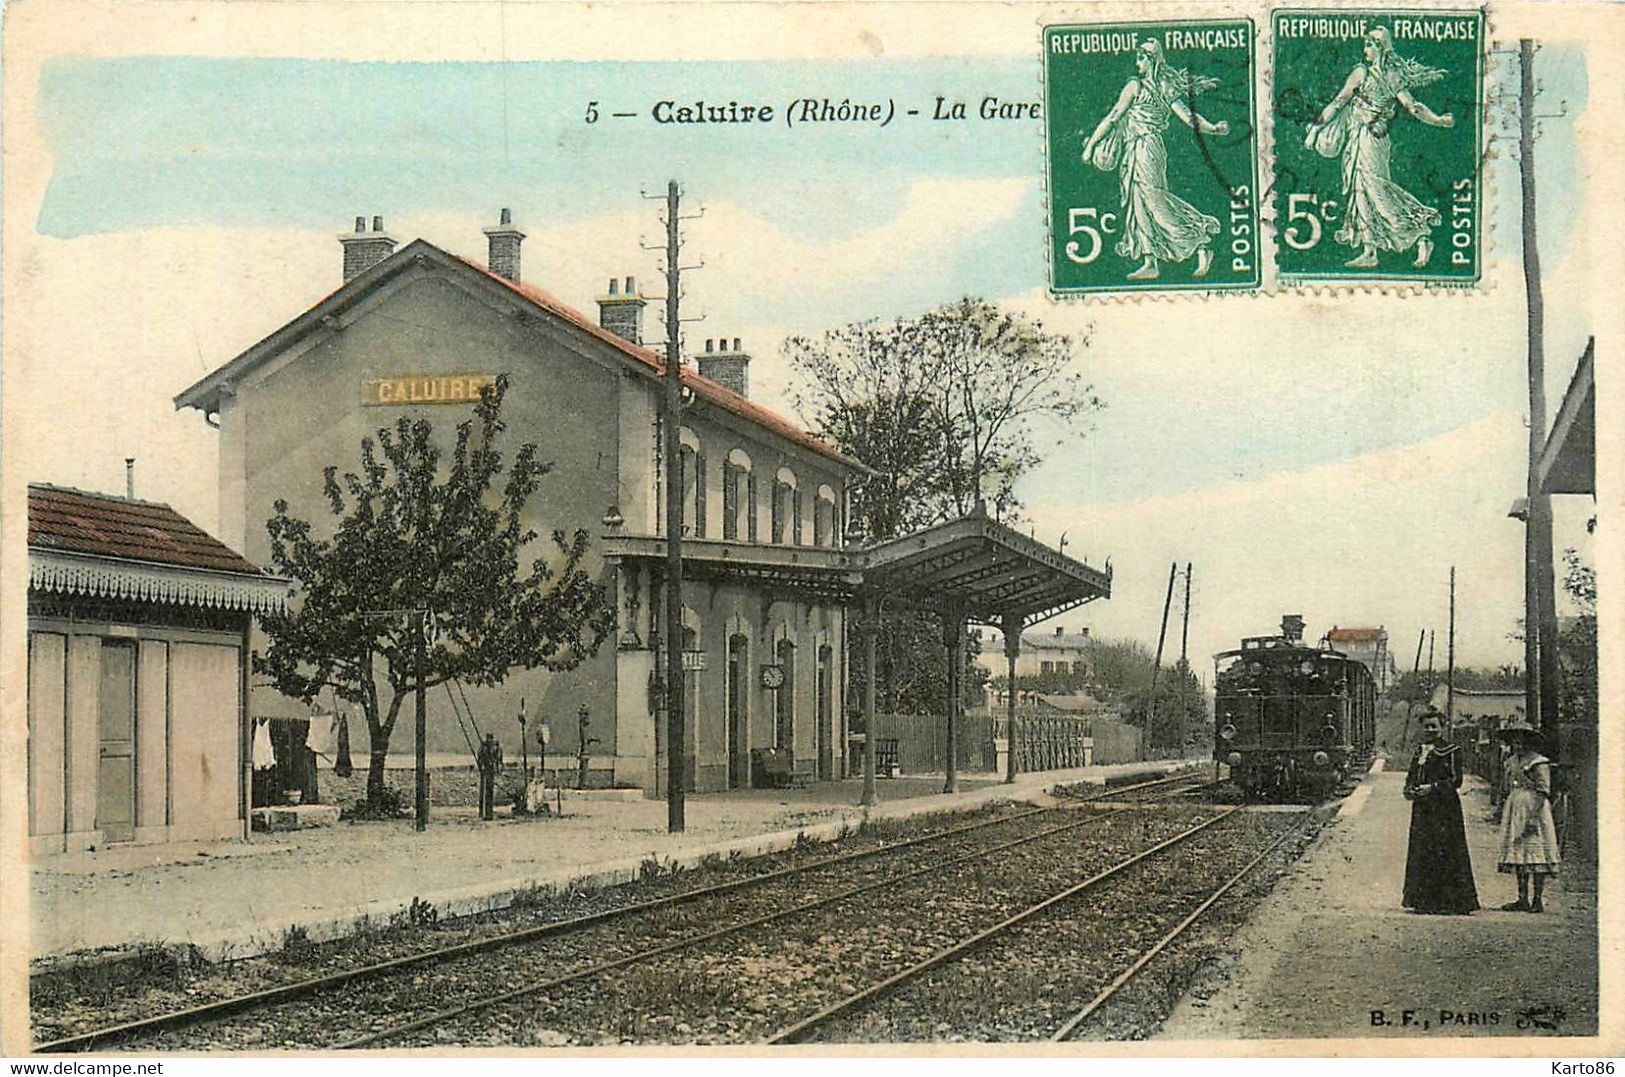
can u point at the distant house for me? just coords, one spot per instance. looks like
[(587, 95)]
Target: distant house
[(1055, 653), (1370, 647)]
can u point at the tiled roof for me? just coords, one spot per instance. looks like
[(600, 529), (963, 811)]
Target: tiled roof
[(1052, 642), (204, 393), (1356, 635), (704, 388), (65, 520)]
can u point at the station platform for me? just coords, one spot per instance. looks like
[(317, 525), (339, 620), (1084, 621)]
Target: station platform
[(1332, 954), (234, 899)]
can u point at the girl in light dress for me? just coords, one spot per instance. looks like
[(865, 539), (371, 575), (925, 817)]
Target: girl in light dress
[(1529, 846)]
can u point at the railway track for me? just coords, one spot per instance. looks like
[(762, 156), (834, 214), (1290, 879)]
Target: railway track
[(1002, 983), (333, 995)]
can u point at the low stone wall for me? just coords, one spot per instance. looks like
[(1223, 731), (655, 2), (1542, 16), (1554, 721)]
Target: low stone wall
[(448, 786)]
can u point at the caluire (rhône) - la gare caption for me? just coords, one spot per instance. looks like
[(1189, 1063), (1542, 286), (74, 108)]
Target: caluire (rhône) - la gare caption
[(825, 110)]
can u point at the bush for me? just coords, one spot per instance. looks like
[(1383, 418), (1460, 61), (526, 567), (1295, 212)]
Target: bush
[(394, 804)]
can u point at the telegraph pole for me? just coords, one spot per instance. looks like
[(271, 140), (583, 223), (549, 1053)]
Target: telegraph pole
[(1540, 599), (1185, 630), (421, 723), (673, 414), (1450, 660), (1151, 708)]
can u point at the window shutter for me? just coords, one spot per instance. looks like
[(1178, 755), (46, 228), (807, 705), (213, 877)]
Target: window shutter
[(699, 495), (730, 501), (750, 505), (795, 515), (778, 511)]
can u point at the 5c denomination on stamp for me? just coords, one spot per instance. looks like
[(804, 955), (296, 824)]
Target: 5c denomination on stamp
[(1377, 135), (1153, 156)]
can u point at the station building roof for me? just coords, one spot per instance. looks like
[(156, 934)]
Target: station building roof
[(1568, 463), (205, 394)]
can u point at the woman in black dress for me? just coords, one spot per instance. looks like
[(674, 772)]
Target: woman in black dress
[(1438, 873)]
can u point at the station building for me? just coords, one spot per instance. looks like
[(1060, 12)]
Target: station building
[(138, 629), (416, 331)]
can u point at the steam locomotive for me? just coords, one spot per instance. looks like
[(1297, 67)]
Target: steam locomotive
[(1291, 720)]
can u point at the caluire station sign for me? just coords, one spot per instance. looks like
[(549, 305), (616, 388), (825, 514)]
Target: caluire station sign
[(425, 389)]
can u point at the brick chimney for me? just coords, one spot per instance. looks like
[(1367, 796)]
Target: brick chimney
[(621, 312), (364, 249), (728, 368), (504, 241)]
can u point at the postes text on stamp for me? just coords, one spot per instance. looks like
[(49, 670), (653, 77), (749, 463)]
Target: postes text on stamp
[(1153, 156), (1377, 129)]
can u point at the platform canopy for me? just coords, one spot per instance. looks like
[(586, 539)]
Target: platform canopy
[(973, 567), (981, 569)]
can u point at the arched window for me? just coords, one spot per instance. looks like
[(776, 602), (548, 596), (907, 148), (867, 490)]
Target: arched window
[(738, 497), (824, 518), (693, 484), (786, 508)]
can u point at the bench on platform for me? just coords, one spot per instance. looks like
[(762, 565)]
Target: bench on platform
[(772, 768)]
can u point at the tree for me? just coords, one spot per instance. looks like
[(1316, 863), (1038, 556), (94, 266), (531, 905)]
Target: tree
[(409, 535), (942, 407), (1577, 643)]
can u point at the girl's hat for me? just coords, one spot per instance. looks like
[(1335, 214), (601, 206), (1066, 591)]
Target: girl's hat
[(1517, 724)]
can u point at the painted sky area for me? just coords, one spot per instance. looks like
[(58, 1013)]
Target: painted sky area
[(1329, 455)]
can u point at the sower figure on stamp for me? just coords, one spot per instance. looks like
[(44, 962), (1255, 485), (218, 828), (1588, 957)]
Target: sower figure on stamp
[(1378, 213), (1529, 846), (490, 762), (1438, 871), (1157, 224)]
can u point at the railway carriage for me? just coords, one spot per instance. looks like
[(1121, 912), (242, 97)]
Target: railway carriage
[(1291, 720)]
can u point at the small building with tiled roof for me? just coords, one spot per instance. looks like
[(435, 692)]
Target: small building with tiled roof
[(414, 332), (138, 627), (1370, 646)]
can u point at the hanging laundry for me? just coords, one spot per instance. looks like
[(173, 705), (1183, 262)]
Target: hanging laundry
[(264, 755), (320, 737)]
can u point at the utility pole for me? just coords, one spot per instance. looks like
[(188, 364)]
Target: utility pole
[(1450, 660), (1185, 630), (421, 723), (673, 415), (1156, 666), (1416, 679), (1540, 599)]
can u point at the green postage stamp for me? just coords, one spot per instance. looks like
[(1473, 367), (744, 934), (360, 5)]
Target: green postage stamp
[(1377, 117), (1152, 146)]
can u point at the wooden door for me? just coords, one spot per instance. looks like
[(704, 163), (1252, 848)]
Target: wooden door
[(115, 780), (738, 680)]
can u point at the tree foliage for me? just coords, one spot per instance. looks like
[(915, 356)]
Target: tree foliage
[(408, 534), (1577, 643), (942, 406)]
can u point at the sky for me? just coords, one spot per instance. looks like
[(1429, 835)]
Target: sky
[(1325, 454)]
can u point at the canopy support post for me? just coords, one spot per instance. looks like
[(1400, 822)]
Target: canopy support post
[(1012, 648)]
